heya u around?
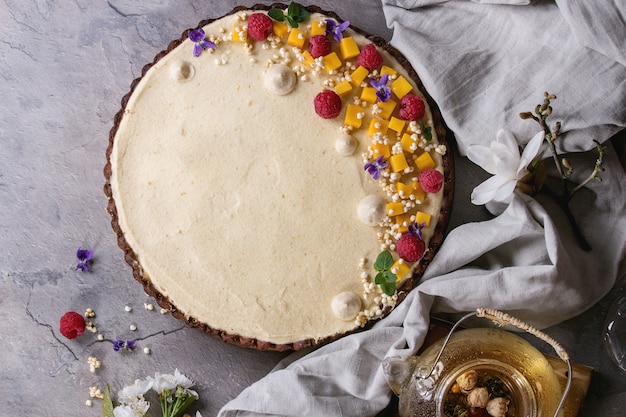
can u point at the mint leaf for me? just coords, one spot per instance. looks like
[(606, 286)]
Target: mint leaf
[(384, 261), (276, 14), (292, 22), (388, 288), (389, 277), (426, 131), (107, 404), (380, 278)]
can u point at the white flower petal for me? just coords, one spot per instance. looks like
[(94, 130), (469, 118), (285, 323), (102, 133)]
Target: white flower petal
[(505, 191), (505, 161), (530, 151), (507, 139), (182, 379), (486, 191), (481, 156)]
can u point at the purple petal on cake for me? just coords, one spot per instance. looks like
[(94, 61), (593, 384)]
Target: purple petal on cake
[(416, 229), (332, 28), (84, 254), (374, 168), (383, 92), (199, 43), (131, 344), (118, 345)]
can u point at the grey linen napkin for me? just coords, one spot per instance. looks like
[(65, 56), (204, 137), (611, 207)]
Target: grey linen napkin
[(483, 64)]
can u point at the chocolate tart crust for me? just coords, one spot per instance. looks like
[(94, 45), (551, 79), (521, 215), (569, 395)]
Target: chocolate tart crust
[(130, 257)]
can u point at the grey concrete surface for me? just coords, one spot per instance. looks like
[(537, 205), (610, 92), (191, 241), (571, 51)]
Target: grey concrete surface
[(64, 67)]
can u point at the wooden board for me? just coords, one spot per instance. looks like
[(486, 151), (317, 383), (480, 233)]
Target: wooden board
[(573, 403)]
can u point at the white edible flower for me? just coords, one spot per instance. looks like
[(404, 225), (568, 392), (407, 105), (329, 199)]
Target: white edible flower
[(502, 159), (162, 382), (478, 397), (498, 407), (135, 392), (138, 409)]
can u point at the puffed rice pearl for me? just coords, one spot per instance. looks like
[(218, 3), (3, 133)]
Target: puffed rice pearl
[(88, 403), (133, 327), (128, 309), (146, 350)]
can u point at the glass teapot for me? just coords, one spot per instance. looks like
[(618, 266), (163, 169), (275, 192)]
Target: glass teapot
[(480, 372)]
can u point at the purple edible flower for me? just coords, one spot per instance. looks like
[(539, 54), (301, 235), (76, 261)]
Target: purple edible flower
[(84, 257), (332, 28), (383, 92), (416, 229), (199, 43), (374, 168), (121, 344)]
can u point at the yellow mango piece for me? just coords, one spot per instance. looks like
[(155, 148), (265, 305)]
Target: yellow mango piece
[(387, 108), (408, 144), (419, 194), (358, 75), (404, 189), (401, 87), (354, 116), (421, 217), (381, 149), (348, 48), (368, 94), (296, 38), (401, 269), (377, 125), (397, 125), (403, 221), (308, 59), (280, 29), (398, 162), (343, 88), (395, 208), (239, 34), (318, 28), (424, 161), (332, 62), (387, 70)]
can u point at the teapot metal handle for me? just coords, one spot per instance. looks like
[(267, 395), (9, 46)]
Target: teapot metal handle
[(502, 319)]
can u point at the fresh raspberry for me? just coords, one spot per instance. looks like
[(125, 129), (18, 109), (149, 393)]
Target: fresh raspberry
[(430, 180), (411, 107), (72, 325), (410, 247), (260, 26), (369, 57), (319, 45), (327, 104)]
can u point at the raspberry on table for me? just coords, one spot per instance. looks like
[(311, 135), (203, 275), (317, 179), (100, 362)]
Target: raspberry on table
[(430, 180), (410, 247), (369, 57), (327, 104), (319, 45), (72, 325), (411, 107), (260, 26)]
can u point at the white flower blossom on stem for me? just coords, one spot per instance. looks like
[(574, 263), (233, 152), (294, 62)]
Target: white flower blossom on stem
[(131, 393), (137, 408), (503, 161), (162, 382)]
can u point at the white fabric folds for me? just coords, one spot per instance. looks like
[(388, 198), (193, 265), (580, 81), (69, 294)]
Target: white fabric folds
[(484, 64)]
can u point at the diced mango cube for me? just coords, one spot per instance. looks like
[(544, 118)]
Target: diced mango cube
[(354, 116), (343, 88), (296, 38), (421, 217), (332, 62), (395, 208), (307, 59), (377, 125), (401, 87), (419, 194), (358, 75), (318, 28), (409, 145), (239, 34), (403, 221), (424, 161), (368, 94), (348, 48), (404, 189), (280, 29), (401, 269), (380, 149), (398, 162), (387, 70), (387, 108), (397, 125)]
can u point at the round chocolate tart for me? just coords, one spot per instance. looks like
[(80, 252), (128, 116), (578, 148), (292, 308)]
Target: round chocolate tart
[(278, 182)]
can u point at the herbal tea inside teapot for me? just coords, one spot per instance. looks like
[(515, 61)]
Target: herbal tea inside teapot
[(482, 372)]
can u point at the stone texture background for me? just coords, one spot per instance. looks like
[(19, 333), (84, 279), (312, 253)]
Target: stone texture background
[(64, 67)]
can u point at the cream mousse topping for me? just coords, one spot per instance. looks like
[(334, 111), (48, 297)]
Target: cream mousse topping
[(242, 205)]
